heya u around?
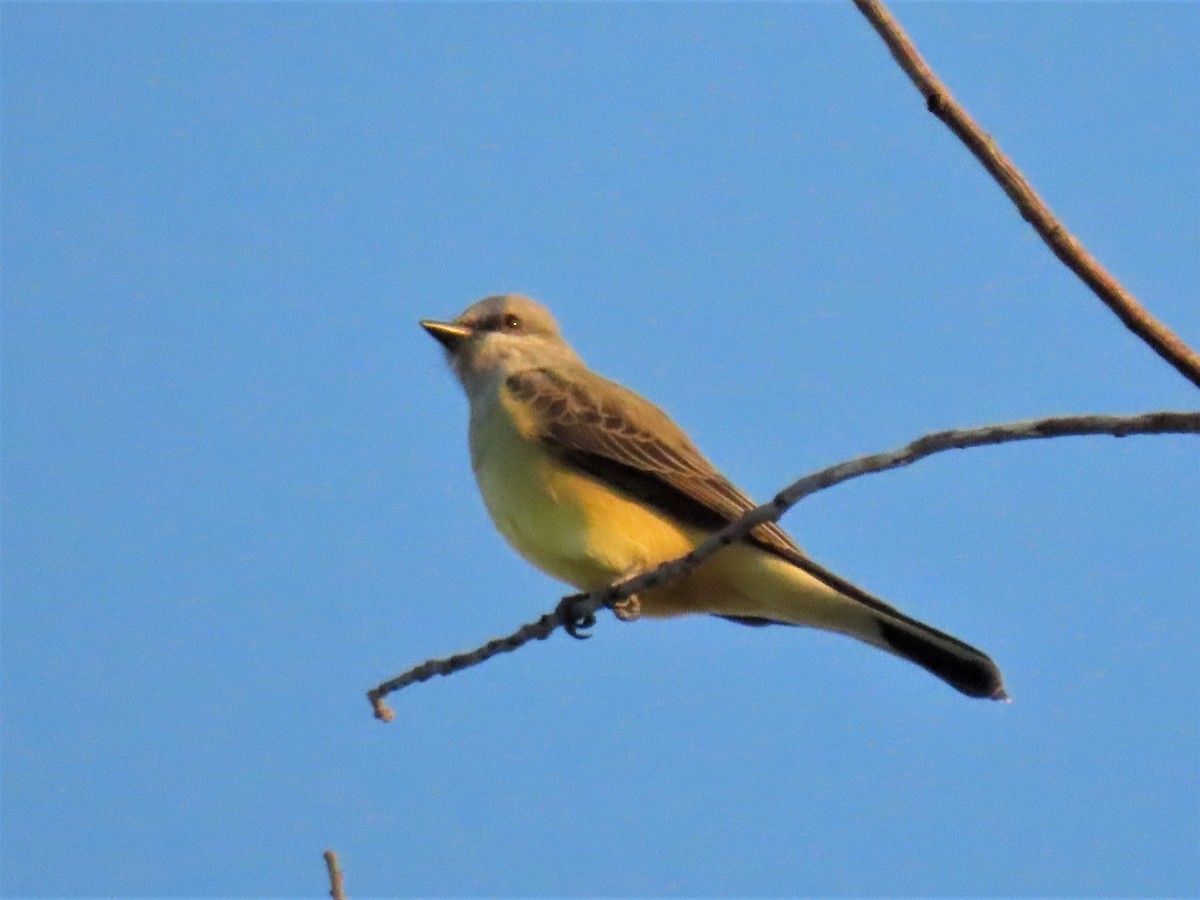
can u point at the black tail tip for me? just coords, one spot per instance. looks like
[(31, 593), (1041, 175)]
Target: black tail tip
[(960, 665)]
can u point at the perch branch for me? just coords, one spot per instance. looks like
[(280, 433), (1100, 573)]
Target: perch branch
[(1033, 208), (578, 610)]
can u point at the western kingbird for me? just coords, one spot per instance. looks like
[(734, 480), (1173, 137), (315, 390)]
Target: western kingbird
[(592, 483)]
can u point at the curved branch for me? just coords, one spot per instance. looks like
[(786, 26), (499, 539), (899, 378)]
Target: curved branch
[(1033, 208), (578, 607)]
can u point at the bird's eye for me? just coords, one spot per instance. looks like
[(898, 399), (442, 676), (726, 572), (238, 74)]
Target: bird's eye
[(512, 322)]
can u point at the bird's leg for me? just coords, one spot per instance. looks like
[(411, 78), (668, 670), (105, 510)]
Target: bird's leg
[(629, 609)]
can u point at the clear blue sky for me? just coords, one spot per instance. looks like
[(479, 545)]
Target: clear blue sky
[(236, 492)]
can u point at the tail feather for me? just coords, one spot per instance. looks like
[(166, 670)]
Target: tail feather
[(960, 665), (758, 589), (957, 663)]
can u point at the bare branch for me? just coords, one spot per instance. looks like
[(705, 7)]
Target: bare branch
[(336, 889), (578, 610), (1033, 208), (539, 630)]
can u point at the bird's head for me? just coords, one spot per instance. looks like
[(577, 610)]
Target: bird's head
[(500, 335)]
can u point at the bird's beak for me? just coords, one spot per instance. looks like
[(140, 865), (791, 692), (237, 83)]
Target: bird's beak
[(449, 336)]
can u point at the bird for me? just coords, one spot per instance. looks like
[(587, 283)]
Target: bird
[(592, 483)]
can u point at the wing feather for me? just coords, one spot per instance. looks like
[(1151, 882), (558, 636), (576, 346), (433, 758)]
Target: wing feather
[(612, 433)]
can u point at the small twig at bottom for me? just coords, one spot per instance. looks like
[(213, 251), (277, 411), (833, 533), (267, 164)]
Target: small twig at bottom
[(336, 890), (578, 610)]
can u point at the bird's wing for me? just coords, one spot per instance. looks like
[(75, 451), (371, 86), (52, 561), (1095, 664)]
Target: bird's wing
[(611, 433)]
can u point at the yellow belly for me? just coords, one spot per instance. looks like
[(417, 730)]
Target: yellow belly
[(564, 522)]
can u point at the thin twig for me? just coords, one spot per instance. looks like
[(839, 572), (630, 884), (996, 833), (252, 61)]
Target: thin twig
[(336, 889), (582, 607), (539, 630), (1033, 209)]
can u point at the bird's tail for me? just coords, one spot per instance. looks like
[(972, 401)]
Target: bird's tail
[(960, 665), (800, 592)]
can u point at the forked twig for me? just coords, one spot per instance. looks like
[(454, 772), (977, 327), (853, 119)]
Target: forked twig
[(578, 608)]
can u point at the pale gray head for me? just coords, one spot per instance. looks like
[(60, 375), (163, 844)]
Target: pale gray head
[(498, 336)]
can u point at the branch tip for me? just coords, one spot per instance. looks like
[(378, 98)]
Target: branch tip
[(383, 712), (336, 889)]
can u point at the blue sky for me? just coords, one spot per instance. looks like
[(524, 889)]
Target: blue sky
[(236, 492)]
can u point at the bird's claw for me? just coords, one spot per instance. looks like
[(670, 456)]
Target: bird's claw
[(571, 620)]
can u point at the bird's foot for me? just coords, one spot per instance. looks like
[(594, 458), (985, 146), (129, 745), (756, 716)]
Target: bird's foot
[(629, 609), (573, 622)]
